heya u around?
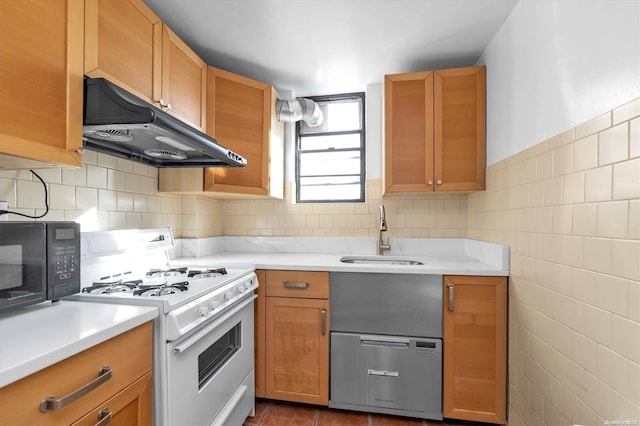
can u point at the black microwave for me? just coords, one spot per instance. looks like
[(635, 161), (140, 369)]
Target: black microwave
[(38, 261)]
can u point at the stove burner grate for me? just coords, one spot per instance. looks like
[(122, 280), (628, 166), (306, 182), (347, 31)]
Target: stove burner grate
[(161, 290), (172, 272), (107, 287), (206, 273)]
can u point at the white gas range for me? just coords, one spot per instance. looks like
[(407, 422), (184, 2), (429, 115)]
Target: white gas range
[(203, 336)]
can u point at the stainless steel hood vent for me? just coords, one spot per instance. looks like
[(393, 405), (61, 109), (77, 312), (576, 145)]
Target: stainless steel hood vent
[(119, 123)]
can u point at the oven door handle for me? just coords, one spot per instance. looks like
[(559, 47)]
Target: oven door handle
[(200, 334)]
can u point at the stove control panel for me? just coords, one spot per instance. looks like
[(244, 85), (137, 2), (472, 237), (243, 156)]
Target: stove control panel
[(186, 318)]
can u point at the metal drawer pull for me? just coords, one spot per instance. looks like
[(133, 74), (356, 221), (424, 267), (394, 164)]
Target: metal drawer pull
[(323, 321), (288, 284), (105, 417), (450, 308), (51, 403), (383, 373)]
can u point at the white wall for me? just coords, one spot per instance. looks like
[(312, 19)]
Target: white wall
[(555, 64)]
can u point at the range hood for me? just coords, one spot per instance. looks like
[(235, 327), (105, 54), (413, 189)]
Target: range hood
[(119, 123)]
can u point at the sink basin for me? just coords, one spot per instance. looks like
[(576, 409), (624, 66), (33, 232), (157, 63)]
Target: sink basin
[(384, 260)]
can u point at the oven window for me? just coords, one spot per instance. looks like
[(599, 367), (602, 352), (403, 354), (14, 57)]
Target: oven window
[(216, 355)]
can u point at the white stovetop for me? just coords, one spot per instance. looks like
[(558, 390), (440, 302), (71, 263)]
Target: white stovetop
[(40, 335)]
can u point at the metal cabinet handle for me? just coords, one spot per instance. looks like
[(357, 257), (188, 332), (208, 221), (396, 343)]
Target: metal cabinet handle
[(323, 321), (105, 416), (288, 284), (450, 308), (429, 182), (51, 403), (439, 182)]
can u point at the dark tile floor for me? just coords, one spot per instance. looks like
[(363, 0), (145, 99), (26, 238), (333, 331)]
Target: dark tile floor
[(276, 413)]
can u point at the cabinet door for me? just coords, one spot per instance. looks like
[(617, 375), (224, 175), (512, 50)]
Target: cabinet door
[(475, 342), (184, 80), (259, 345), (41, 88), (459, 129), (131, 407), (408, 134), (123, 43), (297, 356), (128, 355), (241, 116)]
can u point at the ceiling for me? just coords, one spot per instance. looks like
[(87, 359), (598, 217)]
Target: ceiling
[(321, 47)]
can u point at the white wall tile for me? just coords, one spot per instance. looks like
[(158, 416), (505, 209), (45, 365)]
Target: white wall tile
[(626, 179), (86, 198), (75, 176), (107, 200), (62, 197), (613, 144), (96, 177)]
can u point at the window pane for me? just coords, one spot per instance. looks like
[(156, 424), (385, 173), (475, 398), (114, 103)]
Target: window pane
[(328, 142), (329, 158), (330, 163), (338, 116), (330, 188)]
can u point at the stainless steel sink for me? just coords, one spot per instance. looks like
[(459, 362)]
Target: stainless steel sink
[(385, 260)]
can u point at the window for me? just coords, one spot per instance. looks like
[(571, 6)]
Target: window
[(330, 160)]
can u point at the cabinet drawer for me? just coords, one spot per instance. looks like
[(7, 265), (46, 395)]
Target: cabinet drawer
[(128, 355), (132, 406), (305, 284)]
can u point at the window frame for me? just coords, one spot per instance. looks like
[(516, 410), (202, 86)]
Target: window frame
[(362, 132)]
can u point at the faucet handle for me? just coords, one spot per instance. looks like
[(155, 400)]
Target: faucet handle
[(383, 222)]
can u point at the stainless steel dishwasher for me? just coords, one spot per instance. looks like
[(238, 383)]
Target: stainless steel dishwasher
[(386, 343)]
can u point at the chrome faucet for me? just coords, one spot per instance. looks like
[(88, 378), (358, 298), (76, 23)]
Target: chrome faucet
[(381, 247)]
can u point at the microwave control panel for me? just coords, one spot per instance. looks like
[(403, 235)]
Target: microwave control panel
[(63, 271)]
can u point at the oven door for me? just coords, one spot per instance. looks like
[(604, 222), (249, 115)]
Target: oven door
[(210, 371)]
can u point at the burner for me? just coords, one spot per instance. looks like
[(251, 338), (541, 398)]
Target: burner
[(206, 273), (160, 290), (173, 272), (106, 287)]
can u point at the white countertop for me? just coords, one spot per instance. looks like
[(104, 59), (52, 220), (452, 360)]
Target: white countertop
[(40, 335), (331, 262), (442, 256)]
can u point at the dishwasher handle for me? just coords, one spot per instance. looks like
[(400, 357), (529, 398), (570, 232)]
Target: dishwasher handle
[(385, 341)]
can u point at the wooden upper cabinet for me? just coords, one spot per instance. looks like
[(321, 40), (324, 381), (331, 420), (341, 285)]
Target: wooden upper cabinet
[(41, 87), (123, 43), (241, 117), (435, 131), (127, 43), (408, 147), (184, 80), (475, 348)]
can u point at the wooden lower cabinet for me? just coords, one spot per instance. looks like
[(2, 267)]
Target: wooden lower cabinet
[(259, 336), (125, 397), (296, 343), (475, 348)]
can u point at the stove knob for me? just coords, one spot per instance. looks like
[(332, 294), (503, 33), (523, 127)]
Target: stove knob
[(214, 305), (203, 311), (242, 288), (228, 295)]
